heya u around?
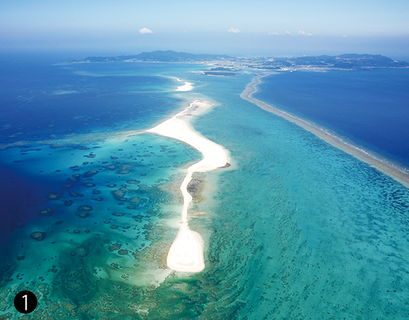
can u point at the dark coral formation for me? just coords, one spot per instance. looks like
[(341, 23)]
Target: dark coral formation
[(81, 251), (86, 208), (68, 202), (74, 194), (75, 178), (88, 185), (124, 169), (47, 212), (195, 187), (226, 165), (90, 173), (132, 181), (82, 214), (118, 194), (114, 247), (53, 195), (135, 201), (38, 235), (73, 285), (90, 155), (118, 214)]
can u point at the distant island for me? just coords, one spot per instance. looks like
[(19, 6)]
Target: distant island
[(158, 56), (227, 65), (221, 71)]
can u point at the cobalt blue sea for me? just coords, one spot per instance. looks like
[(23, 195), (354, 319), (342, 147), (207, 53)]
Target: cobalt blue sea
[(43, 100), (369, 107), (294, 229)]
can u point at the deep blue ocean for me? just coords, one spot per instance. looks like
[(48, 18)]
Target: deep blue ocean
[(39, 99), (294, 229), (370, 108)]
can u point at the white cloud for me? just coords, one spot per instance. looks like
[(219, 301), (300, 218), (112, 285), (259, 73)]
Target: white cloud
[(287, 32), (273, 33), (234, 30), (145, 30), (303, 33)]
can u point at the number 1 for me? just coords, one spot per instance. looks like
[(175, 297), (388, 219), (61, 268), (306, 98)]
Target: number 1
[(25, 302)]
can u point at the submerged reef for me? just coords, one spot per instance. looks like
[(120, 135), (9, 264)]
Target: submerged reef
[(38, 235)]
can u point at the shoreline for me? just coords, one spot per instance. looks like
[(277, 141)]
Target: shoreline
[(383, 165), (186, 252)]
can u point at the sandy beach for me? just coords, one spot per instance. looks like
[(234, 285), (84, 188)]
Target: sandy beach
[(394, 171), (188, 86), (186, 252)]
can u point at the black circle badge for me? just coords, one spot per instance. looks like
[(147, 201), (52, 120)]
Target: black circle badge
[(25, 302)]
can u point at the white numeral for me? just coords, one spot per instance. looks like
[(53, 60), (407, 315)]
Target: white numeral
[(25, 302)]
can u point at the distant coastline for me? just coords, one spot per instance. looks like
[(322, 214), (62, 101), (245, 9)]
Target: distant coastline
[(227, 65), (386, 166)]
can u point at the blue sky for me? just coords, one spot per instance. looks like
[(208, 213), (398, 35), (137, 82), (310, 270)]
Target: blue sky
[(256, 27)]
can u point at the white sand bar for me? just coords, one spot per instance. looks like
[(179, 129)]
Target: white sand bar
[(186, 87), (186, 252)]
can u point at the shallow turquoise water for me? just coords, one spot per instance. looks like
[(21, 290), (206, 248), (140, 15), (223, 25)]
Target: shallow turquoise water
[(115, 202), (309, 231)]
